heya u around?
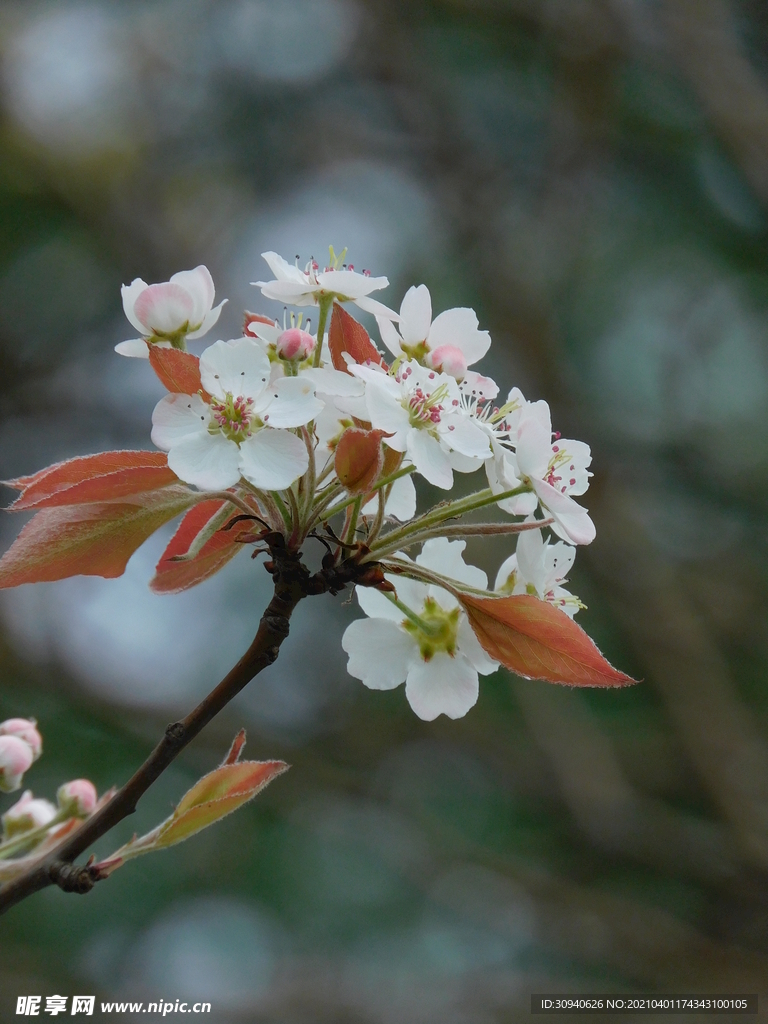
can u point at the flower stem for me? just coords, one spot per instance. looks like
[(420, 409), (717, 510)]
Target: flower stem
[(286, 515), (381, 483), (464, 530), (325, 304), (450, 510), (425, 627), (33, 835)]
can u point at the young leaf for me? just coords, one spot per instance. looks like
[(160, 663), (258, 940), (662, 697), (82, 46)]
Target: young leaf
[(213, 797), (88, 540), (173, 575), (92, 478), (538, 641), (359, 459), (347, 335), (177, 371)]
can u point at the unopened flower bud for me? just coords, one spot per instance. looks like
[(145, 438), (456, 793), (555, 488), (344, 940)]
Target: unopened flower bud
[(295, 344), (26, 814), (16, 757), (77, 798), (448, 359), (25, 729)]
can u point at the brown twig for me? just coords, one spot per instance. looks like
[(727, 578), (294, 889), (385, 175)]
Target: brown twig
[(292, 582)]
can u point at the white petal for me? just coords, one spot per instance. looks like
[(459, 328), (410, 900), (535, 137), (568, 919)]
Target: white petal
[(238, 367), (470, 647), (386, 413), (580, 457), (131, 292), (136, 348), (333, 382), (209, 320), (273, 459), (289, 291), (530, 559), (377, 308), (534, 447), (389, 335), (415, 315), (401, 502), (164, 308), (379, 652), (572, 522), (429, 459), (558, 561), (458, 327), (349, 283), (478, 385), (292, 402), (507, 567), (445, 557), (442, 686), (467, 438), (199, 284), (377, 605), (207, 461), (176, 417), (282, 269)]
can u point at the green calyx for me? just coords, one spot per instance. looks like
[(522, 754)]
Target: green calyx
[(434, 629), (178, 337), (417, 352)]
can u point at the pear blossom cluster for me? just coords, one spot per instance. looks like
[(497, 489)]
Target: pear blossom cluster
[(265, 426)]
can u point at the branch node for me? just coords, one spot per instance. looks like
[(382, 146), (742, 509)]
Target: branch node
[(174, 732), (73, 877)]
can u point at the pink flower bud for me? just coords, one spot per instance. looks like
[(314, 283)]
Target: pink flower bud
[(449, 359), (16, 757), (25, 729), (27, 813), (77, 797), (295, 344)]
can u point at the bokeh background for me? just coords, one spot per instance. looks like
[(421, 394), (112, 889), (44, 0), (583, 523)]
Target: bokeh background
[(592, 177)]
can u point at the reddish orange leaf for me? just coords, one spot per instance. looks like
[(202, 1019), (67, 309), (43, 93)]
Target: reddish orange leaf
[(88, 540), (215, 796), (234, 752), (90, 478), (347, 335), (254, 318), (171, 576), (538, 641), (178, 371), (359, 459)]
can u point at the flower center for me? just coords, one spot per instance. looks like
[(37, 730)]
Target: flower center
[(233, 416), (436, 631), (425, 410), (560, 480)]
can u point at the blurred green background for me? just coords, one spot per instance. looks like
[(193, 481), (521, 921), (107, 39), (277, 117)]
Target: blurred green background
[(592, 177)]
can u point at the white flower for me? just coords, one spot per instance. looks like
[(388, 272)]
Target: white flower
[(555, 469), (171, 312), (449, 343), (433, 649), (27, 813), (307, 287), (539, 568), (210, 444), (421, 411)]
